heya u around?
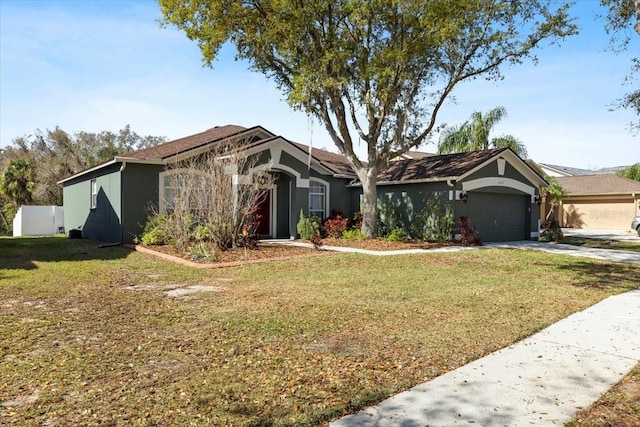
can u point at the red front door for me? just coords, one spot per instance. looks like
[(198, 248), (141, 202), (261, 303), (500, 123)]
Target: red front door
[(262, 213)]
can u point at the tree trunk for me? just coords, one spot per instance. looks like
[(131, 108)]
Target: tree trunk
[(370, 191)]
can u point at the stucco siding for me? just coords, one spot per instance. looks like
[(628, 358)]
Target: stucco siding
[(140, 183), (102, 222), (598, 212)]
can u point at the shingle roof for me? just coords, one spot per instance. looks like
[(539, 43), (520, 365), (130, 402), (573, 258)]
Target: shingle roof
[(181, 145), (582, 172), (335, 162), (598, 184), (415, 155), (447, 165)]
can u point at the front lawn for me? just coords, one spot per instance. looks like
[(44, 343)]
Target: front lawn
[(601, 244), (90, 336)]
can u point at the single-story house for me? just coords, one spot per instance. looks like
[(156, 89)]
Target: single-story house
[(496, 189), (599, 201), (594, 198)]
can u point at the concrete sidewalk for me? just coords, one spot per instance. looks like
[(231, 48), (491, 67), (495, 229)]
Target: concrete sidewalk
[(543, 380)]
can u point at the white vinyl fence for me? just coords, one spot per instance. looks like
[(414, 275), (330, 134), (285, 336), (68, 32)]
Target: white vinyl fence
[(38, 221)]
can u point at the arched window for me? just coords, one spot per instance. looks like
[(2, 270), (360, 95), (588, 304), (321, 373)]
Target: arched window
[(318, 199)]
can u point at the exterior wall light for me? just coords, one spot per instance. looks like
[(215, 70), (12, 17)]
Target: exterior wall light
[(537, 199), (464, 196)]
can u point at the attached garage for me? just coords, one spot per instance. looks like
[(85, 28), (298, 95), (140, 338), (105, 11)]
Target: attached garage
[(603, 201), (498, 217), (495, 189)]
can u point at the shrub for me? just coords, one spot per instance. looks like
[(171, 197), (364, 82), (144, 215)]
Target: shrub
[(434, 223), (356, 222), (316, 240), (334, 227), (397, 235), (154, 232), (353, 234), (307, 227), (387, 218), (468, 233), (202, 233), (248, 236), (200, 250), (154, 237), (553, 232)]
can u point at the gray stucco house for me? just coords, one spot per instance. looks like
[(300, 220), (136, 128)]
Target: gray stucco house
[(495, 188)]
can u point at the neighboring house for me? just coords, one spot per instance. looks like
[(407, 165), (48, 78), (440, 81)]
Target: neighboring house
[(558, 171), (594, 198), (495, 188), (599, 201)]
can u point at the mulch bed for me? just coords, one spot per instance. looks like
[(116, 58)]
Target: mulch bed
[(272, 252), (382, 245), (231, 257)]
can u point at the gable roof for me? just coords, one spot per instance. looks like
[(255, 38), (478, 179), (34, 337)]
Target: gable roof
[(414, 155), (191, 142), (598, 184), (569, 171), (337, 163), (436, 167)]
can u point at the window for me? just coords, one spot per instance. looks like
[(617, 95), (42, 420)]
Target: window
[(94, 194), (168, 193), (317, 199)]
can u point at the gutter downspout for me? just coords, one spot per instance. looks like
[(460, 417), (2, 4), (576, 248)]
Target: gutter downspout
[(452, 183), (122, 168)]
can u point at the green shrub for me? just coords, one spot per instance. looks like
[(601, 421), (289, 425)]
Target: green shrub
[(434, 223), (154, 232), (387, 218), (307, 227), (552, 233), (200, 251), (154, 237), (202, 233), (353, 234), (397, 235)]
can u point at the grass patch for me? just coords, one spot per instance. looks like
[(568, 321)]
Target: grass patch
[(620, 406), (601, 244), (89, 337)]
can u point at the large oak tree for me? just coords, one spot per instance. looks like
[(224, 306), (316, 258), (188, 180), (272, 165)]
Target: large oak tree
[(622, 15), (374, 70)]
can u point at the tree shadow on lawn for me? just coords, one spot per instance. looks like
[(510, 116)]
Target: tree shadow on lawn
[(625, 277), (22, 253)]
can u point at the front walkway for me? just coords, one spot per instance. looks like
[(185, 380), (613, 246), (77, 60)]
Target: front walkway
[(543, 380)]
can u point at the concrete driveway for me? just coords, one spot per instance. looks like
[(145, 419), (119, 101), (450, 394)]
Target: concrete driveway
[(604, 234)]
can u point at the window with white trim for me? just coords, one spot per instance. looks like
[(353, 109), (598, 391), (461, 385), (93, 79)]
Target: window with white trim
[(168, 192), (94, 194), (317, 199)]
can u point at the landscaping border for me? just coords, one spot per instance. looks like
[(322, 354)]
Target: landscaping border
[(188, 263)]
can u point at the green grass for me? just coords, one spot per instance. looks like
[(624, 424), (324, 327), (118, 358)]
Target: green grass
[(601, 244), (89, 338)]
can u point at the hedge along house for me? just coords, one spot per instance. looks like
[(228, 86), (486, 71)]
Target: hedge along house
[(112, 201), (495, 188)]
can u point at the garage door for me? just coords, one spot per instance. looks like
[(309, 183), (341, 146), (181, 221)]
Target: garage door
[(591, 214), (498, 217)]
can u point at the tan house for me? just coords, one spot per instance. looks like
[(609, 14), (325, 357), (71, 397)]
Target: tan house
[(599, 201)]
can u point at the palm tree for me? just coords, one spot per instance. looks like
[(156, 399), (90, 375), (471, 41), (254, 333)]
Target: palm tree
[(17, 182), (554, 193), (473, 135)]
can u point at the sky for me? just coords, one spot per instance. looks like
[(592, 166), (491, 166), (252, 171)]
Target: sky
[(97, 65)]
